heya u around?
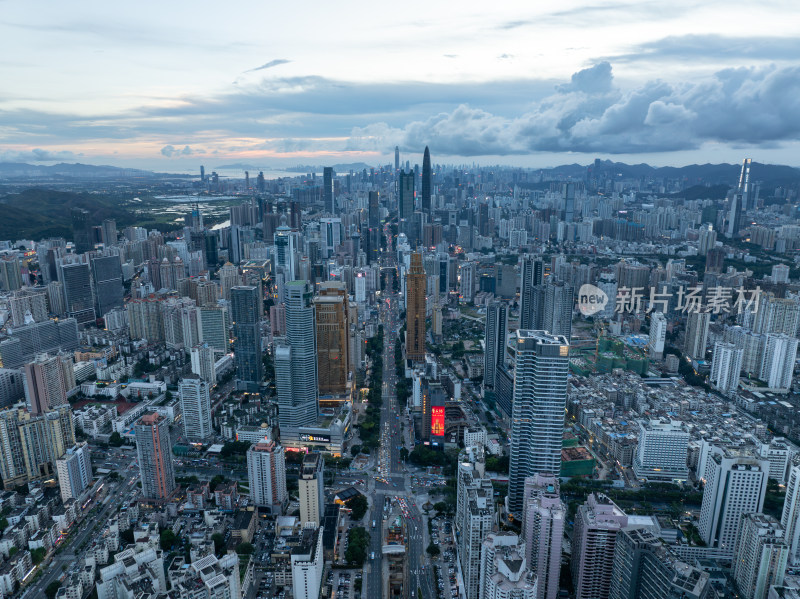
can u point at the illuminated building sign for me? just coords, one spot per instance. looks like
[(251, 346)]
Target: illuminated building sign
[(437, 421), (315, 438)]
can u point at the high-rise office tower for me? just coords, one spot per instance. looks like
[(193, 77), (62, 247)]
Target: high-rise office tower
[(74, 471), (496, 331), (790, 516), (645, 566), (374, 210), (195, 407), (778, 359), (396, 158), (696, 334), (109, 233), (44, 384), (568, 194), (107, 280), (658, 335), (333, 337), (543, 520), (296, 361), (532, 276), (266, 473), (286, 250), (78, 292), (311, 485), (153, 447), (741, 201), (426, 182), (761, 556), (558, 305), (726, 364), (405, 185), (541, 365), (81, 231), (735, 485), (597, 524), (415, 309), (474, 516), (247, 336), (662, 451), (328, 190), (214, 322), (202, 356)]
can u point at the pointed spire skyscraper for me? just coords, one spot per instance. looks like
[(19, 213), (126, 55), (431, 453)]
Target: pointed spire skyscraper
[(426, 183)]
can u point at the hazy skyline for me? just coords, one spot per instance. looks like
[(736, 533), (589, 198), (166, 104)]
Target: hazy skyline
[(168, 86)]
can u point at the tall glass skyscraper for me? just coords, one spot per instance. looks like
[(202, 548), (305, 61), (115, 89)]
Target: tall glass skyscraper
[(296, 360), (426, 182), (541, 364), (247, 336)]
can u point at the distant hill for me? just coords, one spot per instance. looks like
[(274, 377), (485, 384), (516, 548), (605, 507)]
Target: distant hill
[(40, 213), (21, 170)]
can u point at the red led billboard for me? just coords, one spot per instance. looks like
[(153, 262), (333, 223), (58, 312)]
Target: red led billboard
[(437, 421)]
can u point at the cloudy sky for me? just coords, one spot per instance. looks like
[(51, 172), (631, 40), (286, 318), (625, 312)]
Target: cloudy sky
[(173, 84)]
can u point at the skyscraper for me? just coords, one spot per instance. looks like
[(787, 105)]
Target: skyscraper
[(658, 335), (778, 359), (333, 364), (30, 444), (415, 309), (790, 517), (597, 524), (296, 360), (44, 384), (696, 334), (247, 336), (558, 305), (541, 365), (107, 280), (741, 201), (396, 158), (474, 516), (726, 364), (405, 186), (153, 447), (542, 531), (109, 232), (74, 471), (266, 473), (761, 555), (735, 484), (214, 322), (195, 407), (568, 194), (81, 231), (532, 276), (327, 190), (311, 488), (202, 356), (644, 566), (426, 182), (496, 331), (78, 292)]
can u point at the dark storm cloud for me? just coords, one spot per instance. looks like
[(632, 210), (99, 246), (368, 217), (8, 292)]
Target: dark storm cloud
[(690, 47), (748, 106)]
